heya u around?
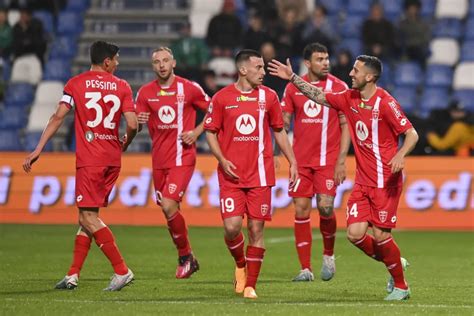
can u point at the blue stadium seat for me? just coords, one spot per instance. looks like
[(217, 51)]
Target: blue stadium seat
[(386, 80), (63, 47), (466, 97), (428, 8), (392, 9), (6, 69), (351, 27), (438, 76), (46, 18), (31, 140), (19, 95), (333, 6), (77, 5), (57, 69), (408, 74), (471, 8), (10, 141), (13, 118), (469, 29), (406, 97), (358, 7), (69, 23), (433, 98), (467, 51), (448, 27), (354, 45)]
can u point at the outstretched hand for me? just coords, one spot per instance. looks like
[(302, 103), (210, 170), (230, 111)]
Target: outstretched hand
[(30, 160), (281, 70)]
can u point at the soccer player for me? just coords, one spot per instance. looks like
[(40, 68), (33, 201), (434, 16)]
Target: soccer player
[(238, 129), (168, 105), (321, 141), (375, 120), (98, 99)]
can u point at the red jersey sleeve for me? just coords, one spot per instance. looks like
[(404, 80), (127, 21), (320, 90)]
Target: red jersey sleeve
[(200, 99), (141, 104), (337, 100), (287, 104), (274, 111), (127, 102), (67, 99), (395, 116), (213, 121)]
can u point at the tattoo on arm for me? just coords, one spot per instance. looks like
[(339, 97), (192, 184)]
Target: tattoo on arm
[(314, 93)]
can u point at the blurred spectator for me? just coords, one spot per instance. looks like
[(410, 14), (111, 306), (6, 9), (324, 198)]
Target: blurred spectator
[(28, 36), (460, 135), (209, 83), (378, 33), (191, 54), (343, 66), (319, 30), (255, 35), (224, 68), (224, 33), (287, 34), (5, 34), (267, 9), (414, 33), (268, 52), (300, 6)]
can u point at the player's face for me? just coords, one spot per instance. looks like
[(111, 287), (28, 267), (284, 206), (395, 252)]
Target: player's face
[(254, 71), (318, 65), (360, 75), (111, 64), (163, 64)]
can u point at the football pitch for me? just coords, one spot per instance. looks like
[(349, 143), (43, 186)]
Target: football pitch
[(33, 258)]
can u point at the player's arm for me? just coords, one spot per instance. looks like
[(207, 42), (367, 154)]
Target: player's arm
[(340, 171), (54, 123), (285, 72), (226, 165), (190, 137), (398, 161), (287, 122), (132, 129), (281, 138), (201, 101)]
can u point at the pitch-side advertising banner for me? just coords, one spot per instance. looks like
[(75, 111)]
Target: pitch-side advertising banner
[(437, 193)]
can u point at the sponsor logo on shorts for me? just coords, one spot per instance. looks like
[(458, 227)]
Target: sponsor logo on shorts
[(89, 136), (329, 184), (79, 198), (172, 188), (383, 216), (362, 131), (264, 209), (394, 219)]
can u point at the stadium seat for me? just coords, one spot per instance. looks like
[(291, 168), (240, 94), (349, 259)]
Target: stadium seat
[(49, 92), (354, 45), (13, 118), (31, 140), (406, 97), (438, 76), (467, 51), (13, 17), (69, 23), (47, 97), (392, 9), (351, 27), (6, 67), (386, 79), (77, 5), (333, 6), (63, 47), (451, 9), (408, 74), (469, 29), (200, 15), (19, 95), (466, 97), (46, 18), (10, 141), (57, 69), (471, 8), (433, 98), (448, 27), (464, 76), (358, 7), (428, 8), (27, 68), (225, 70), (444, 51)]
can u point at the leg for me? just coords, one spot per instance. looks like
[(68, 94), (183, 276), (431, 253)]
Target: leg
[(255, 252), (176, 226), (234, 239), (327, 226), (303, 237)]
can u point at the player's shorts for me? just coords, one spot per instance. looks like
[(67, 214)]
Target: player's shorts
[(254, 202), (314, 180), (171, 183), (94, 184), (373, 205)]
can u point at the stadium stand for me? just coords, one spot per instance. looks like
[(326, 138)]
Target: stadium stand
[(28, 69)]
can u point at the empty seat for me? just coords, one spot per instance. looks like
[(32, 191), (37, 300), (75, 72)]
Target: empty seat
[(358, 6), (392, 9), (63, 47), (69, 23), (451, 9), (27, 68), (46, 18), (19, 95), (469, 29), (77, 5), (438, 76), (466, 97), (225, 70), (354, 45), (408, 74), (10, 141), (433, 98), (47, 97), (13, 118), (333, 6), (448, 27), (13, 17), (57, 70), (428, 8), (200, 15), (444, 51), (351, 27), (49, 92), (406, 97), (464, 76), (467, 51), (31, 140)]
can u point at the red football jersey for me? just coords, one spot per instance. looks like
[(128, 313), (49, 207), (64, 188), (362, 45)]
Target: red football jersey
[(375, 125), (99, 99), (173, 111), (242, 121), (316, 132)]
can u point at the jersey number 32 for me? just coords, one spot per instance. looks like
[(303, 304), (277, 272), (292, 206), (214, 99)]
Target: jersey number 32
[(94, 98)]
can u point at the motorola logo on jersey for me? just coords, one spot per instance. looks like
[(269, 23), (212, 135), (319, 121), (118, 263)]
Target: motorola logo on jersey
[(361, 130), (245, 124), (311, 108), (166, 114)]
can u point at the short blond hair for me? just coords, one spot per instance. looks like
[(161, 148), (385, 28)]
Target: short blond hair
[(165, 49)]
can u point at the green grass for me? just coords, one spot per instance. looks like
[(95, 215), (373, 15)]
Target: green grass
[(33, 258)]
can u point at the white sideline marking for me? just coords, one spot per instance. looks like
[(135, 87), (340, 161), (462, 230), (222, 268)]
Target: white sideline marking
[(278, 240), (341, 304)]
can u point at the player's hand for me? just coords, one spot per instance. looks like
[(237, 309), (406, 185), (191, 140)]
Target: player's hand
[(397, 163), (340, 173), (279, 69), (276, 162), (293, 175), (228, 168), (188, 137), (143, 117), (30, 160)]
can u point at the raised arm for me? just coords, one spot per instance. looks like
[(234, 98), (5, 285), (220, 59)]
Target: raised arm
[(285, 72)]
